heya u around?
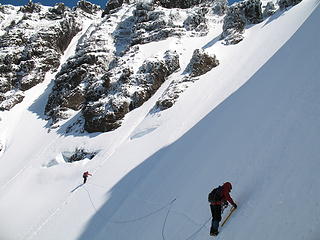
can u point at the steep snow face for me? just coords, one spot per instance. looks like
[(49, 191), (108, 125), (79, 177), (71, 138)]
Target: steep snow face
[(149, 180)]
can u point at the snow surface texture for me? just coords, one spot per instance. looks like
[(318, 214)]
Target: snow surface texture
[(152, 175)]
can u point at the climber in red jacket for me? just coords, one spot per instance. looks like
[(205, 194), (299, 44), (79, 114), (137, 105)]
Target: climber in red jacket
[(219, 197), (85, 176)]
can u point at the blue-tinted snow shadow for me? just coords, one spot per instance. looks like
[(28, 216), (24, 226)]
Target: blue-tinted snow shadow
[(77, 187), (212, 42), (38, 106), (277, 14), (273, 17)]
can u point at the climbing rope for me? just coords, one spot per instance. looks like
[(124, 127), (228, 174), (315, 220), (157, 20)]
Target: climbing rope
[(146, 216), (135, 219), (198, 230), (164, 223), (169, 204)]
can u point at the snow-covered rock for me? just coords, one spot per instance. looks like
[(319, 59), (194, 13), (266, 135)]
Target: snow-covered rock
[(238, 16), (129, 92), (201, 63), (269, 9), (33, 42), (283, 4)]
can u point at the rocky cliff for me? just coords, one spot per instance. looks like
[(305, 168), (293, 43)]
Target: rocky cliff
[(100, 80), (32, 43)]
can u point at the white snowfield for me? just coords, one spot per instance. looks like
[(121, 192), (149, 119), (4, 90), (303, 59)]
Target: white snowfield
[(254, 121)]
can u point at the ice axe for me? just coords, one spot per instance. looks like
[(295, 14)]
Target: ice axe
[(230, 213)]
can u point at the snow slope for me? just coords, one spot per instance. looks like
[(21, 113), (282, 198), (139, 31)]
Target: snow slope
[(152, 175)]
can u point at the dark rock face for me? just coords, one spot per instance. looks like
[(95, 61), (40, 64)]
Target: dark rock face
[(88, 7), (283, 4), (98, 120), (269, 9), (71, 85), (84, 77), (106, 114), (113, 4), (233, 26), (32, 46), (56, 12), (152, 25), (238, 16), (79, 154), (197, 21), (253, 11), (201, 63), (31, 8), (10, 99), (179, 3), (220, 7)]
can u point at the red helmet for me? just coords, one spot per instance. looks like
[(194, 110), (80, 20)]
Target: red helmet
[(227, 185)]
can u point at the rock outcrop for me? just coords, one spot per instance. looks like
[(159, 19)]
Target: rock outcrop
[(269, 9), (283, 4), (200, 63), (238, 16), (106, 114), (32, 45), (179, 3), (112, 5)]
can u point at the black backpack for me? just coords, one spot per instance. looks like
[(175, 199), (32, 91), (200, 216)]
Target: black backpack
[(215, 195)]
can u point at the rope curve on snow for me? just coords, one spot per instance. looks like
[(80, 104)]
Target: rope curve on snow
[(197, 231), (94, 207), (170, 204), (165, 221), (145, 216), (135, 219), (187, 217)]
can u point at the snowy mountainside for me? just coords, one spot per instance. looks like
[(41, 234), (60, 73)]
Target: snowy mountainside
[(151, 175)]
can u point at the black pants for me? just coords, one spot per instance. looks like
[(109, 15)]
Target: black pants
[(216, 217), (84, 180)]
